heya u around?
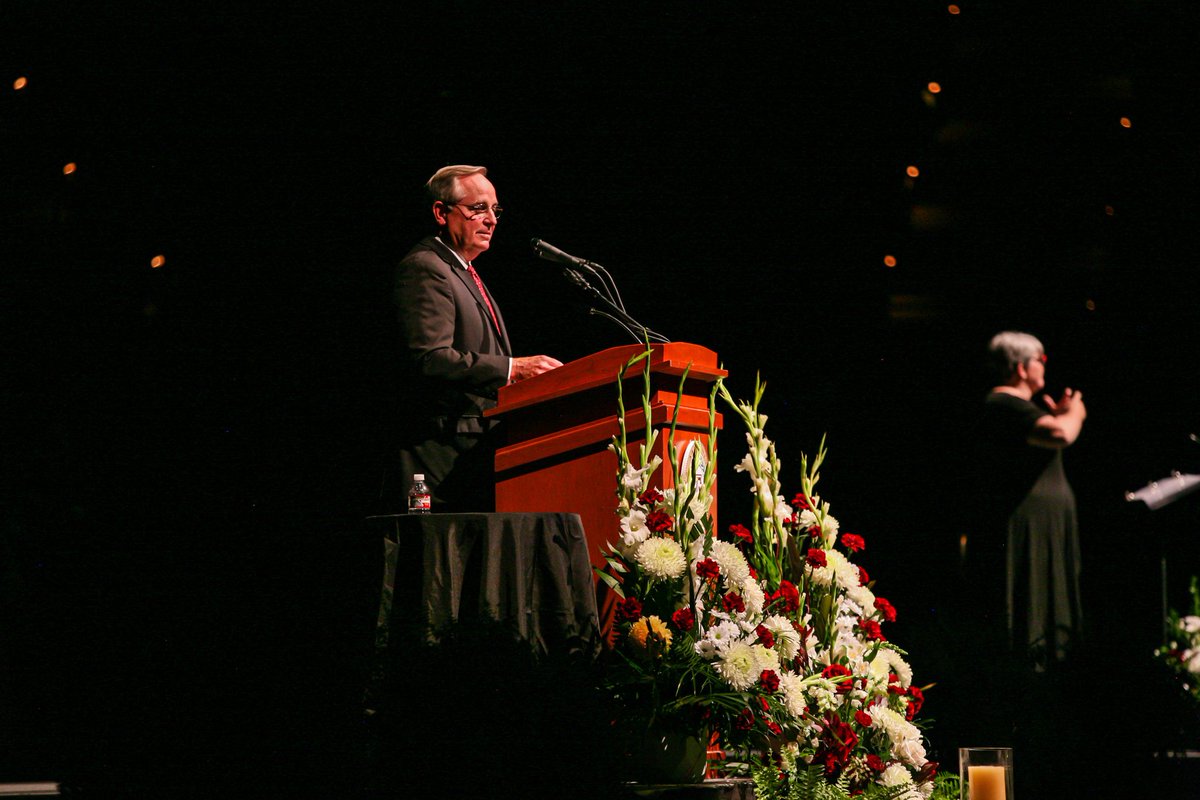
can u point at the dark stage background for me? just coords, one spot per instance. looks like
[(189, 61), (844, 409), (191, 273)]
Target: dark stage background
[(185, 586)]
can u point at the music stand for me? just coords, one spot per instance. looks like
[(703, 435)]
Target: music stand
[(1157, 494)]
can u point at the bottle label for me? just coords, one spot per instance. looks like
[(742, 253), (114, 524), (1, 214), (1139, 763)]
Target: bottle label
[(419, 503)]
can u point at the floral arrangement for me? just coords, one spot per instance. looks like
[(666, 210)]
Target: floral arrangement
[(768, 634), (1181, 651)]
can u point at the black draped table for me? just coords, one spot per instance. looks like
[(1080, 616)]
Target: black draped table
[(528, 570)]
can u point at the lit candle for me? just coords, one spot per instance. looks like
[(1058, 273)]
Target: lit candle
[(987, 783)]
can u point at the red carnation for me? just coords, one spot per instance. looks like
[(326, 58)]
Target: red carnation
[(788, 596), (769, 680), (863, 577), (871, 631), (853, 542), (815, 558), (928, 772), (765, 636), (886, 609), (651, 497), (629, 609), (708, 568), (659, 521), (838, 671), (762, 701), (741, 532), (774, 728), (753, 573), (800, 502), (684, 619), (745, 720), (733, 602), (863, 718), (916, 701), (875, 762)]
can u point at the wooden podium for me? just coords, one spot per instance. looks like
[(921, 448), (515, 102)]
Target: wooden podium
[(559, 424)]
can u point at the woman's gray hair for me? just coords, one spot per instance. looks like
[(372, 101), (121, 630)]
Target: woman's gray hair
[(1008, 349), (443, 185)]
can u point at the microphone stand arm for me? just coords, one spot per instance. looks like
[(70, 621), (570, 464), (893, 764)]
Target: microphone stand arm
[(614, 311)]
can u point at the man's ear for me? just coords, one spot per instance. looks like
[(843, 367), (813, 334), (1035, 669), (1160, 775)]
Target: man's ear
[(440, 210), (1022, 373)]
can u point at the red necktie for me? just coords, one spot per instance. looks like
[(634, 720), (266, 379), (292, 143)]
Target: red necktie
[(483, 292)]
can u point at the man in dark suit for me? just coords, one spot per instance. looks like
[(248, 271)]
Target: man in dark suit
[(456, 349)]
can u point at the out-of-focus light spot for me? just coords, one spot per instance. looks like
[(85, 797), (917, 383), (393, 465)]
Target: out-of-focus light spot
[(962, 546), (1090, 305), (1109, 210), (68, 168), (1126, 122), (953, 9), (928, 99), (912, 172), (157, 262), (20, 83), (889, 261), (934, 87)]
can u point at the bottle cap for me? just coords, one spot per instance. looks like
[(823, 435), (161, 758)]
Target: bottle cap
[(419, 477)]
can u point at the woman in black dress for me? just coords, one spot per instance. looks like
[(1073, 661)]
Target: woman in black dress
[(1030, 499)]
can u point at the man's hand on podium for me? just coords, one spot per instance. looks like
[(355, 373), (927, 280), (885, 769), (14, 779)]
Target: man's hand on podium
[(528, 366)]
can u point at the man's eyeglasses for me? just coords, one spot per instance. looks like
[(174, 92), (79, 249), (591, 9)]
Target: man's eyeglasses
[(478, 210), (1041, 358)]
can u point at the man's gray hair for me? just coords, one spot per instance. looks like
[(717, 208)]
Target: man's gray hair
[(1009, 349), (444, 183)]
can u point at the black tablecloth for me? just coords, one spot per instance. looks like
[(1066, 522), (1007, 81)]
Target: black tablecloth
[(529, 570)]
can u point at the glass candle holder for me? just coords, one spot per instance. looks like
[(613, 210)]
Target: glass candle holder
[(986, 773)]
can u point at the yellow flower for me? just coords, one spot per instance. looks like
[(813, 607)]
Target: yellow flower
[(651, 633)]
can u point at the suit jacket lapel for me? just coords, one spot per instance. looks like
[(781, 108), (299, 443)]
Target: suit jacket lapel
[(456, 267)]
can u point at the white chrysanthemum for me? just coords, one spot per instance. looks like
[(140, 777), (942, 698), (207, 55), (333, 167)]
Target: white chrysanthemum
[(864, 598), (662, 558), (633, 528), (738, 665), (888, 660), (717, 638), (896, 776), (752, 596), (787, 641), (733, 563), (792, 687), (905, 737), (837, 571), (768, 659)]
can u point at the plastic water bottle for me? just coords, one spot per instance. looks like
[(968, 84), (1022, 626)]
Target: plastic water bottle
[(418, 496)]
